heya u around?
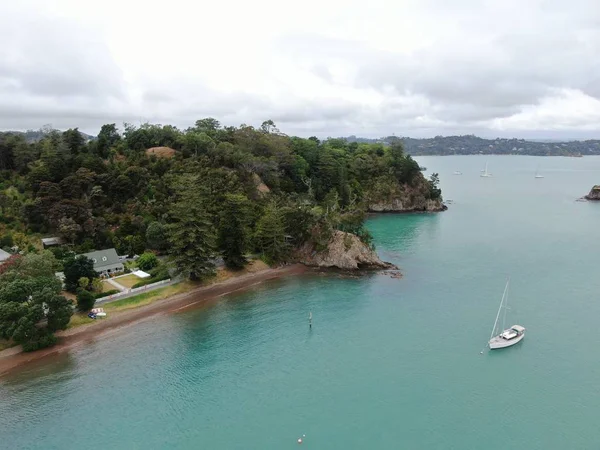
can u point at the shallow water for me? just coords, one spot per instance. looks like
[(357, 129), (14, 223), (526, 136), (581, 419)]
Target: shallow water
[(388, 363)]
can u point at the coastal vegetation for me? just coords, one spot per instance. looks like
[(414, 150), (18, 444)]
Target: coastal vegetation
[(31, 305), (190, 195)]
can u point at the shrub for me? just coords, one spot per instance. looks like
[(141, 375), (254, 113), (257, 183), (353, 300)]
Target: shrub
[(85, 300), (106, 294), (147, 261), (150, 281)]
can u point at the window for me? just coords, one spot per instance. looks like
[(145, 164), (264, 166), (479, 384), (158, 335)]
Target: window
[(104, 258)]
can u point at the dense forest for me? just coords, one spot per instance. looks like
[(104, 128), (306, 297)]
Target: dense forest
[(190, 194), (472, 145)]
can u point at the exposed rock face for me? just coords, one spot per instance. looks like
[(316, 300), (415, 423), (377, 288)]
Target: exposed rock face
[(393, 197), (261, 187), (594, 193), (400, 204), (344, 251), (161, 152)]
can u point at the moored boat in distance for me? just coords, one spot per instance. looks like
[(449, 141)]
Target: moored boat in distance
[(507, 337), (457, 172), (484, 173), (537, 173)]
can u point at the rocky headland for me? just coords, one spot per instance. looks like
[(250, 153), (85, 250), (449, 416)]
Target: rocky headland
[(343, 251)]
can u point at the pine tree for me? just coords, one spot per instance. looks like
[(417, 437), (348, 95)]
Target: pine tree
[(233, 230), (270, 234), (191, 238)]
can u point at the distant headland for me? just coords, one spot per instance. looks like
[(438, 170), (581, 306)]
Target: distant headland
[(473, 145)]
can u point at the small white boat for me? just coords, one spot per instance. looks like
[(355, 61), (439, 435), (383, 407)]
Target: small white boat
[(101, 314), (457, 172), (484, 173), (537, 173), (508, 337)]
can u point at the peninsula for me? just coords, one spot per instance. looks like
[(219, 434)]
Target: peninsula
[(166, 204)]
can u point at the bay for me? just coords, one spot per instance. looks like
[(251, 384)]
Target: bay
[(388, 363)]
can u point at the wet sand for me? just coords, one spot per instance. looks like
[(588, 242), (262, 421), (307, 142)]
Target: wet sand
[(13, 358)]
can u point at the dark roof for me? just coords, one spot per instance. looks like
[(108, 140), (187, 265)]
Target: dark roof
[(52, 241)]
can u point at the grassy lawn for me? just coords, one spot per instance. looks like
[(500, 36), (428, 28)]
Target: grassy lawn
[(106, 286), (160, 294), (148, 297), (78, 319), (128, 280)]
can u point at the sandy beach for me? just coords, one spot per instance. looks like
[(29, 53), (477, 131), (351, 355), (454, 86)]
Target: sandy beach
[(13, 358)]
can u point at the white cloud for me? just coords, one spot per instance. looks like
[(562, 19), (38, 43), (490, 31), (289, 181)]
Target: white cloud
[(412, 67)]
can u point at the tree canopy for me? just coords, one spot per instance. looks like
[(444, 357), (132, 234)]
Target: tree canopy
[(31, 307), (217, 190)]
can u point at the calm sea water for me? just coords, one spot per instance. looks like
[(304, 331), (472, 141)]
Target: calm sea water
[(388, 364)]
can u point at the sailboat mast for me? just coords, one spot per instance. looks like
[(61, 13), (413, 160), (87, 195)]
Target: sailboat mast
[(499, 309), (505, 307)]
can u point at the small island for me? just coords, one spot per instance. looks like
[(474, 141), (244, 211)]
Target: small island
[(594, 194)]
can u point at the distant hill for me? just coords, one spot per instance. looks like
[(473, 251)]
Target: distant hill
[(473, 145), (37, 135)]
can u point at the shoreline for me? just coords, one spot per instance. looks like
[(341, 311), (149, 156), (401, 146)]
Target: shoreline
[(14, 358)]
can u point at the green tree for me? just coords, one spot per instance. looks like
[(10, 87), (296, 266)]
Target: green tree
[(84, 283), (191, 237), (69, 229), (77, 268), (31, 310), (233, 230), (107, 138), (97, 285), (155, 236), (147, 261), (434, 191), (74, 140), (270, 234), (85, 300)]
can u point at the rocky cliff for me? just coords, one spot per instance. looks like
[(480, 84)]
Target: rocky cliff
[(390, 196), (594, 193), (344, 251)]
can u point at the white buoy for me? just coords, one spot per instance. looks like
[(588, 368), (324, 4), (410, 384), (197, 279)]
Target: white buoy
[(299, 440)]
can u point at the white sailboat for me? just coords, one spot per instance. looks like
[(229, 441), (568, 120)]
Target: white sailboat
[(537, 173), (509, 336), (485, 173)]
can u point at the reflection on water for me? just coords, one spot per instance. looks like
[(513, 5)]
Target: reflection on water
[(57, 367)]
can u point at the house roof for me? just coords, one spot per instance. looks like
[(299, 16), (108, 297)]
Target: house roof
[(4, 255), (52, 241), (104, 259)]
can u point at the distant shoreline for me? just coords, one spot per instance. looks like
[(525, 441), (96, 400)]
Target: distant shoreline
[(416, 155), (14, 358)]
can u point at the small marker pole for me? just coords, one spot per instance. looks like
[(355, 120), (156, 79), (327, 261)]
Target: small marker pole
[(310, 320)]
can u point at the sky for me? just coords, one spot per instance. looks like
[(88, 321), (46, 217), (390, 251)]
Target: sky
[(418, 68)]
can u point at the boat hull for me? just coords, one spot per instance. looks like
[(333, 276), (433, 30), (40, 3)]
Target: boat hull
[(497, 342)]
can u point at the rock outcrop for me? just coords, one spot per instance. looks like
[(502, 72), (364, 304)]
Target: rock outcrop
[(399, 204), (394, 197), (261, 188), (594, 193), (344, 251)]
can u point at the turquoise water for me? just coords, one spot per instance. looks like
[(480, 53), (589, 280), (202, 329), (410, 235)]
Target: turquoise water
[(388, 364)]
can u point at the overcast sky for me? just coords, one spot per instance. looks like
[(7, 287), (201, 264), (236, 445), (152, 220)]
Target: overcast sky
[(525, 68)]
